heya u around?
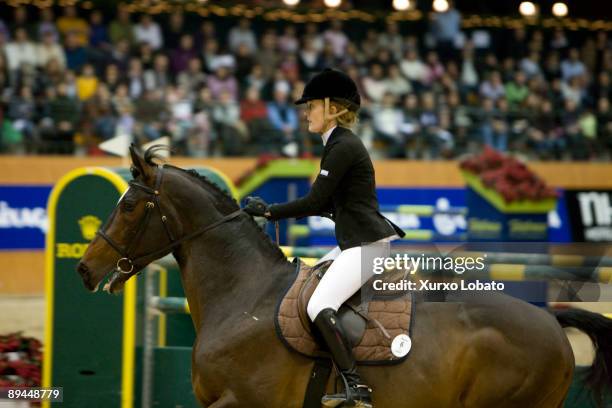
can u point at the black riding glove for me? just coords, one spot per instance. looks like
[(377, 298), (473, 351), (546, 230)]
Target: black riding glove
[(256, 207)]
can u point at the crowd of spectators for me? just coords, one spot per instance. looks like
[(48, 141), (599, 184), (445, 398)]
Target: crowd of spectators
[(225, 87)]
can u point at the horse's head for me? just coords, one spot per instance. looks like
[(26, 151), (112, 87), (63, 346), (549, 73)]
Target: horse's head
[(141, 228)]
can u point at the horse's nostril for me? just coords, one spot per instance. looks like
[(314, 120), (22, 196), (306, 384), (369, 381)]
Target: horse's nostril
[(82, 268)]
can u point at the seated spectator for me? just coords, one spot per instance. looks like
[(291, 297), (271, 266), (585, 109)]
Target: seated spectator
[(573, 90), (267, 56), (229, 128), (112, 78), (602, 88), (410, 126), (493, 88), (86, 83), (312, 32), (429, 123), (352, 57), (517, 90), (559, 40), (254, 114), (159, 76), (51, 75), (387, 121), (146, 56), (244, 62), (201, 135), (434, 69), (530, 65), (100, 115), (288, 42), (604, 125), (544, 134), (180, 57), (283, 117), (396, 83), (76, 54), (174, 30), (150, 114), (370, 44), (572, 66), (120, 55), (336, 38), (309, 58), (22, 111), (552, 67), (180, 111), (193, 78), (392, 39), (98, 35), (121, 27), (47, 25), (62, 120), (242, 34), (135, 79), (121, 99), (255, 79), (49, 49), (70, 24), (20, 52), (148, 31), (374, 84), (290, 68), (494, 127), (577, 143), (222, 81)]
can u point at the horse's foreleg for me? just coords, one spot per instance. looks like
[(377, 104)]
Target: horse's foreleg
[(227, 400)]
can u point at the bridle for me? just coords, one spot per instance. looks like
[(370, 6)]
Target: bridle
[(126, 263)]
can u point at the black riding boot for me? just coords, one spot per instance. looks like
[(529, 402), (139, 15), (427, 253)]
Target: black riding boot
[(356, 394)]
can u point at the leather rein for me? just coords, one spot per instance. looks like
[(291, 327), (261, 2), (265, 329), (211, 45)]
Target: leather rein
[(126, 263)]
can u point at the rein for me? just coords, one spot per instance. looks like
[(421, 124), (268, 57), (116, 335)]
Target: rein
[(127, 260)]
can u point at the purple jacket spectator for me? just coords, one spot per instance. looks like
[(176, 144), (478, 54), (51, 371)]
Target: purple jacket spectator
[(180, 57), (221, 82)]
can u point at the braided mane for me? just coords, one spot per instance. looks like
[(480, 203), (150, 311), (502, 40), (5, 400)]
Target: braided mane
[(226, 202)]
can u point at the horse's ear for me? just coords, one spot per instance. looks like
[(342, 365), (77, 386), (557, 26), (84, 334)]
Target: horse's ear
[(139, 166)]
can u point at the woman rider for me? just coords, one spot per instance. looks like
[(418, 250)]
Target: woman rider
[(345, 188)]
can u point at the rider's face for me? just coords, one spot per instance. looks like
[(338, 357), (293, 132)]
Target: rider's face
[(315, 115)]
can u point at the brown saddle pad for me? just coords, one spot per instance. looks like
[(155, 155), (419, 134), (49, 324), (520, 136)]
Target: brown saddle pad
[(385, 320)]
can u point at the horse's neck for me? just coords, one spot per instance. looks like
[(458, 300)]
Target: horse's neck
[(226, 275)]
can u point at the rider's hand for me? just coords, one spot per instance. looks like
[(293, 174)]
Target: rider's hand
[(256, 207)]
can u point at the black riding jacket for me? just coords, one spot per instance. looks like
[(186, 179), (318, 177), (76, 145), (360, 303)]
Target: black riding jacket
[(345, 188)]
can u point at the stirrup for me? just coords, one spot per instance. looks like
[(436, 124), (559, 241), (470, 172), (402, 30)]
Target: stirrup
[(354, 395), (340, 400)]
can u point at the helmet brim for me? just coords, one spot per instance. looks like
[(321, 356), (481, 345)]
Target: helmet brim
[(303, 100)]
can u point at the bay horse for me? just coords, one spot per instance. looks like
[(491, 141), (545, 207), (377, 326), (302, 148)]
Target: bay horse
[(477, 352)]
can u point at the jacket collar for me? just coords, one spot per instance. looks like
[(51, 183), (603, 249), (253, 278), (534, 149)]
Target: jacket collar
[(325, 136)]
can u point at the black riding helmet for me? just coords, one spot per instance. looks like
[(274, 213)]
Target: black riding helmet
[(333, 84)]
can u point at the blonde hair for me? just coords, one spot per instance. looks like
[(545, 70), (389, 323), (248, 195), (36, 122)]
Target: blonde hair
[(347, 119)]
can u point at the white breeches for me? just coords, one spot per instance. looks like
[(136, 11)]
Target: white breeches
[(343, 278)]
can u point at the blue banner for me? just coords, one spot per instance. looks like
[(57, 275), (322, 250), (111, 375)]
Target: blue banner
[(447, 221), (23, 216)]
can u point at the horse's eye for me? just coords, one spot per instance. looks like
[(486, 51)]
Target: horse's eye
[(128, 206)]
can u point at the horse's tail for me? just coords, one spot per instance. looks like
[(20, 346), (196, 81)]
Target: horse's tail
[(599, 330)]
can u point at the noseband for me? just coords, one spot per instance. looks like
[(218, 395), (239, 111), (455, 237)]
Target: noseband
[(126, 263)]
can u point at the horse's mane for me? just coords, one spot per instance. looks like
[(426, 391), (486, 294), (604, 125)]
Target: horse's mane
[(226, 202)]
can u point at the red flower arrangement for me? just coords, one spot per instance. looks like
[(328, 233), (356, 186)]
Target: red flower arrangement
[(507, 176), (20, 361)]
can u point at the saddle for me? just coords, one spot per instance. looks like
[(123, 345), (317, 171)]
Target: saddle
[(373, 325)]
